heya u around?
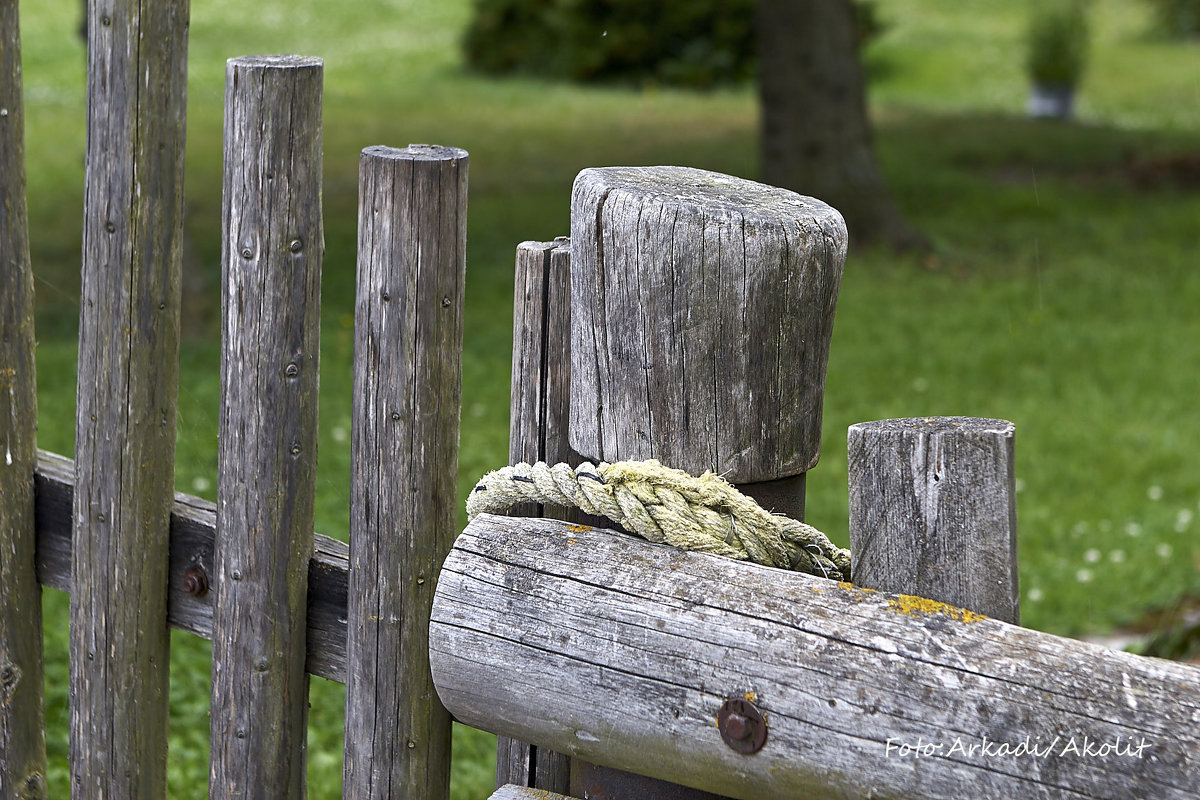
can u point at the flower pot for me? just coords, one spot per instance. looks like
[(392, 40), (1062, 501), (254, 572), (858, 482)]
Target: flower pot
[(1055, 102)]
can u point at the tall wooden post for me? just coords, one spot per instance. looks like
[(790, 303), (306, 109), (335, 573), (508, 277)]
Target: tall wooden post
[(270, 311), (933, 511), (407, 399), (22, 721), (701, 313), (127, 396)]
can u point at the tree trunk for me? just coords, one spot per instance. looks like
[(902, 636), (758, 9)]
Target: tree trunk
[(816, 139)]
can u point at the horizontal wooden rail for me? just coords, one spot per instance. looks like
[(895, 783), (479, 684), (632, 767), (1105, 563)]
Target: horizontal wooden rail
[(624, 653), (193, 533)]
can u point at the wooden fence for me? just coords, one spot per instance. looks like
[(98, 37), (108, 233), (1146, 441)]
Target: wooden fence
[(686, 318), (247, 572)]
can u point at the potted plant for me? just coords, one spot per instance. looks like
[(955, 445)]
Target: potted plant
[(1057, 55)]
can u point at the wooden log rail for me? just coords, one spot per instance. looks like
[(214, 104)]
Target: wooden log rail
[(623, 653)]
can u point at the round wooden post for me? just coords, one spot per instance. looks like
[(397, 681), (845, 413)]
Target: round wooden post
[(267, 450), (933, 511), (701, 313), (407, 395), (126, 403), (702, 308)]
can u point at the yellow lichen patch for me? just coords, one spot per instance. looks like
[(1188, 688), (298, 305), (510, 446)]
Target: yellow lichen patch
[(910, 606), (751, 697), (579, 528), (858, 593)]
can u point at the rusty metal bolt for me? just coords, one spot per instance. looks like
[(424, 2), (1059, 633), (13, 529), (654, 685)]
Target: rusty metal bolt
[(195, 581), (743, 727)]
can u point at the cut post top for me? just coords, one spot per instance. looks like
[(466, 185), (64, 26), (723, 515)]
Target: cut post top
[(935, 425), (701, 313), (706, 192), (276, 62), (415, 152)]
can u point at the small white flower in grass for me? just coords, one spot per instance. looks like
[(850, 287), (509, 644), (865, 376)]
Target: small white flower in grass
[(920, 385), (1116, 556), (1083, 575), (1163, 550), (1155, 493), (1018, 485), (1091, 556), (339, 434), (200, 484), (1079, 530), (1034, 595), (1133, 529), (1183, 519)]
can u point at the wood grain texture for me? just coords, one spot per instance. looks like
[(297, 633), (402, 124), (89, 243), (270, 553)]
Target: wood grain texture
[(631, 648), (702, 308), (404, 444), (127, 396), (540, 395), (22, 720), (267, 449), (541, 368), (193, 535), (933, 511)]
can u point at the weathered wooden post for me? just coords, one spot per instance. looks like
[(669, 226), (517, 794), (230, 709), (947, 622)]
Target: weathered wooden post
[(701, 313), (407, 398), (22, 721), (127, 396), (271, 264), (933, 511), (541, 374)]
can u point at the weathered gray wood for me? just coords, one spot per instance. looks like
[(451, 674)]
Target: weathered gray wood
[(407, 401), (22, 720), (193, 533), (267, 451), (127, 396), (513, 792), (933, 511), (541, 366), (541, 373), (702, 308), (631, 648)]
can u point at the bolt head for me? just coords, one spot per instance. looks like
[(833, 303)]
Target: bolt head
[(195, 582), (743, 727)]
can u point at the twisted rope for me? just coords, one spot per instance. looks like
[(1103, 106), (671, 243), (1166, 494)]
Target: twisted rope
[(705, 513)]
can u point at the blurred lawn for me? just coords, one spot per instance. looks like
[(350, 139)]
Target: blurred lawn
[(1061, 296)]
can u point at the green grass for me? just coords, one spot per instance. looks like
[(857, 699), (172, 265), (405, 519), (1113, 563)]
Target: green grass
[(1061, 293)]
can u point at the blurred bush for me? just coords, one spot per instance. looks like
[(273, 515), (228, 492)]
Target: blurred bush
[(688, 43), (1058, 42), (1178, 18)]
